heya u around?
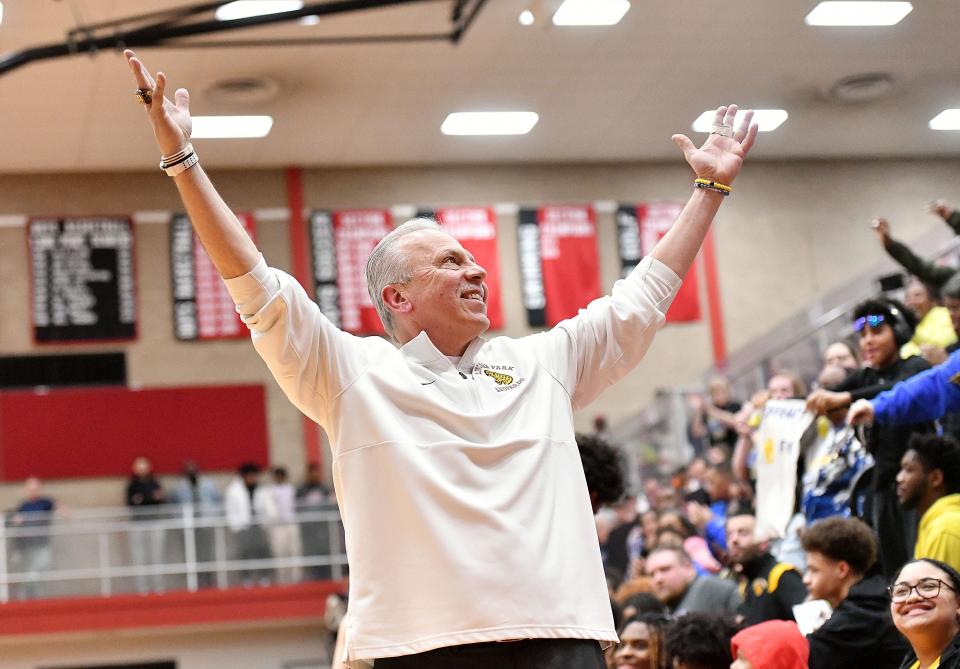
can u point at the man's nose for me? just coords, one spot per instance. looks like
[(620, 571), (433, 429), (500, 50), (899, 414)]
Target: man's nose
[(476, 272)]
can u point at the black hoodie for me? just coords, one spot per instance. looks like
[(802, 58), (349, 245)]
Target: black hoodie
[(949, 659), (860, 633)]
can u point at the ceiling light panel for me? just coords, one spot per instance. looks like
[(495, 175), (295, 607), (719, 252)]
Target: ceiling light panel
[(231, 127), (858, 13), (489, 123), (948, 119), (242, 9), (590, 12), (766, 119)]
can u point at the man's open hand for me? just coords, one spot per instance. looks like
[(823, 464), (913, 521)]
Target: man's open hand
[(720, 158)]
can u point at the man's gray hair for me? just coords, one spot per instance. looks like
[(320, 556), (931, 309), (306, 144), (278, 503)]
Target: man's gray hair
[(385, 266)]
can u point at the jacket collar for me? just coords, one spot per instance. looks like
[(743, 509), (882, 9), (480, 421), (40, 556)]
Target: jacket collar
[(422, 351)]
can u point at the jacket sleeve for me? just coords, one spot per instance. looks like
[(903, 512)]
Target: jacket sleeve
[(607, 339), (310, 358), (924, 397), (841, 646), (924, 270), (790, 591)]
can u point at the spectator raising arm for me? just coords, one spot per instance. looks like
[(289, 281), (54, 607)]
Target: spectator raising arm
[(923, 397), (926, 271)]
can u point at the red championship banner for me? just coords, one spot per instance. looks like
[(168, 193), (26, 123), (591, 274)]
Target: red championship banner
[(559, 265), (202, 307), (341, 242), (476, 229), (639, 228)]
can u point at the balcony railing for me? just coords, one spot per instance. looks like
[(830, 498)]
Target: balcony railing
[(173, 547)]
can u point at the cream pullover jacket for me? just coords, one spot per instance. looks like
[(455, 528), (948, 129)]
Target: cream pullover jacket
[(460, 486)]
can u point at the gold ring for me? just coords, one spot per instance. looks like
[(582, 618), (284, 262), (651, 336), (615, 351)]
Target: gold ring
[(144, 95)]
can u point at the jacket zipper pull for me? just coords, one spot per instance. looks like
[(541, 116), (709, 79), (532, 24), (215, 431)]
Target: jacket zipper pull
[(462, 374)]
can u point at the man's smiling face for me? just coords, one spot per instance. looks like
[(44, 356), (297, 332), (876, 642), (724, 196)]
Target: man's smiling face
[(446, 293)]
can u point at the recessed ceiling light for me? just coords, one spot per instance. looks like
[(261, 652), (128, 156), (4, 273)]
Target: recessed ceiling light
[(527, 18), (489, 123), (590, 12), (948, 119), (231, 127), (242, 9), (766, 119), (858, 13), (310, 20)]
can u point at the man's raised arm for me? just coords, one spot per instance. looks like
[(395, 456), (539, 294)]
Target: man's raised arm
[(227, 243), (716, 165)]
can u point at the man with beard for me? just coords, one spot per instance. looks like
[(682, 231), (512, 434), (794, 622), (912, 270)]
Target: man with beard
[(770, 589), (929, 481)]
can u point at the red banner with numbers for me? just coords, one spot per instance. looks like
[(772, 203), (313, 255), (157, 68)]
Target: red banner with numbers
[(202, 307), (476, 229), (639, 229), (569, 267), (355, 233)]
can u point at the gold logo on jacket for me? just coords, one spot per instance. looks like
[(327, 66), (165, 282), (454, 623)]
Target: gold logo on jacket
[(501, 379)]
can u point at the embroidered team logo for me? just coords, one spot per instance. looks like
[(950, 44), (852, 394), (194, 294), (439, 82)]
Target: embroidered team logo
[(955, 379), (504, 377), (501, 379)]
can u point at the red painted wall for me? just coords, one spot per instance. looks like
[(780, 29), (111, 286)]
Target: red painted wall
[(98, 432)]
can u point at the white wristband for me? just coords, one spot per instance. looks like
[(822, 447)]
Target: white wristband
[(182, 166)]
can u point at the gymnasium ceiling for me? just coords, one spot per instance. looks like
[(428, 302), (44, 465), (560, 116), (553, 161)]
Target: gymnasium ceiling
[(603, 93)]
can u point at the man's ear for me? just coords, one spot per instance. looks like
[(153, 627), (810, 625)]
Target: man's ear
[(935, 478), (844, 569), (395, 299)]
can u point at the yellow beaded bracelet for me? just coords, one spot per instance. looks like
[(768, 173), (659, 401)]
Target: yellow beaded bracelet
[(709, 184)]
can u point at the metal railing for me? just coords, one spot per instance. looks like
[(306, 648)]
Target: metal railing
[(172, 547)]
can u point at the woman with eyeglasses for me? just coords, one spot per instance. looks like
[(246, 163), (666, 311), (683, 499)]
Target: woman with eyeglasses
[(882, 326), (925, 604)]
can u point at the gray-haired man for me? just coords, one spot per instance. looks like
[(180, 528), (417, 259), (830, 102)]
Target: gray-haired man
[(467, 516)]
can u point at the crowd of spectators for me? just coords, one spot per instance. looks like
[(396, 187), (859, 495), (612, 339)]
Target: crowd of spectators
[(865, 573)]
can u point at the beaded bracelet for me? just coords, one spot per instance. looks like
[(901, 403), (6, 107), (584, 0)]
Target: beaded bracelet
[(715, 186)]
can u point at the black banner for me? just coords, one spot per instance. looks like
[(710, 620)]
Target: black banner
[(628, 239), (531, 269), (83, 285), (324, 260)]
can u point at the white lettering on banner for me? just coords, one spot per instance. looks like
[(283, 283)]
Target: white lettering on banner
[(534, 296), (69, 258), (557, 222), (356, 233), (628, 237), (658, 218), (469, 223)]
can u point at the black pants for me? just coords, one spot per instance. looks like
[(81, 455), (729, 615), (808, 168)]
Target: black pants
[(525, 654), (896, 530)]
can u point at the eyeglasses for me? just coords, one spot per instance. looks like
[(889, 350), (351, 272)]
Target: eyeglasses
[(927, 588), (873, 320)]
